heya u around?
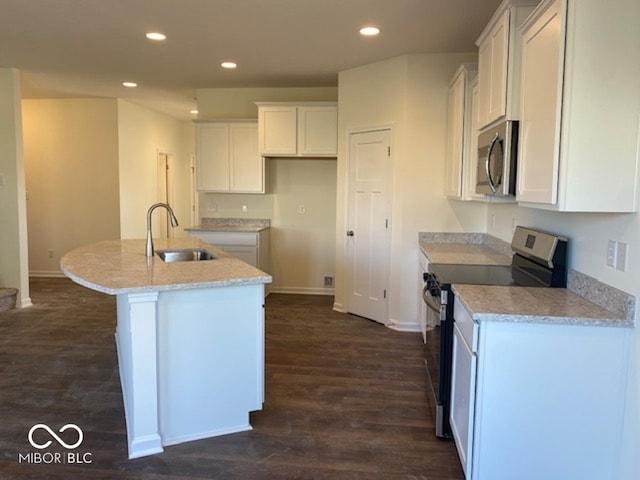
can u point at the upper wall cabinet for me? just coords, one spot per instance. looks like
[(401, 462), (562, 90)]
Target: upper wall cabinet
[(579, 145), (227, 158), (298, 129), (499, 62), (460, 166)]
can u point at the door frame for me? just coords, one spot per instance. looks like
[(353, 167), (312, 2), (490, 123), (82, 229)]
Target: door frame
[(347, 185), (170, 179)]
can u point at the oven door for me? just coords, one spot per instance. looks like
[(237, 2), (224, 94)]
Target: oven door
[(438, 344)]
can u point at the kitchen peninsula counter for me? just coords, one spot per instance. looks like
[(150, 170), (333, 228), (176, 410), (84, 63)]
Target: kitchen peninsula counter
[(121, 266), (189, 336)]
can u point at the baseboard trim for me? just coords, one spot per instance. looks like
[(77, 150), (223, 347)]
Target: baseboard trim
[(301, 290), (403, 326), (46, 273)]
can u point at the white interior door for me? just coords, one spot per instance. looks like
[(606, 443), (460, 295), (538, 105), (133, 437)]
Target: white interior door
[(368, 224)]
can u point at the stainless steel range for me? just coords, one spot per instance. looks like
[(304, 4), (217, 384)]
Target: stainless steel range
[(539, 260)]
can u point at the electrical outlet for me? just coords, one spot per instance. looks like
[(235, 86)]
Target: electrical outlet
[(611, 253), (302, 209), (245, 209), (328, 281), (621, 256), (212, 207), (50, 253)]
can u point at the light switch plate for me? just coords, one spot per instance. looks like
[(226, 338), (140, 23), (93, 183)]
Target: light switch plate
[(621, 256), (611, 253)]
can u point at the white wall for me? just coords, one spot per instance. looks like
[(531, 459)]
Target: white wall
[(409, 93), (142, 135), (71, 157), (302, 245), (13, 208)]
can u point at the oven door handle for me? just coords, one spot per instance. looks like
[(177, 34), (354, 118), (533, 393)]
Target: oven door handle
[(429, 301)]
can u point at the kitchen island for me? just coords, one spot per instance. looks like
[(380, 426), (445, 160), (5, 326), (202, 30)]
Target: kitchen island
[(189, 335)]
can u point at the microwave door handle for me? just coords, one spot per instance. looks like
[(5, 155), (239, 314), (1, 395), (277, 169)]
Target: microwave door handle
[(488, 160)]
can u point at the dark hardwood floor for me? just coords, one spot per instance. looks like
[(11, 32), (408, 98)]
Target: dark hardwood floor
[(345, 398)]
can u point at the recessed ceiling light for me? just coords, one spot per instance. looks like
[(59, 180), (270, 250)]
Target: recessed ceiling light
[(156, 36), (228, 65), (130, 84), (369, 31)]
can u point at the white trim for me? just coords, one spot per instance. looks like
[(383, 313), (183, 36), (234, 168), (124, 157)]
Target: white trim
[(46, 273), (302, 290), (403, 326)]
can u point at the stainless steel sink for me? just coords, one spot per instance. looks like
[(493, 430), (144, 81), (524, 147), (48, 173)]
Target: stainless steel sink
[(185, 255)]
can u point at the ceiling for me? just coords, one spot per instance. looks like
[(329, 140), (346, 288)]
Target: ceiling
[(87, 48)]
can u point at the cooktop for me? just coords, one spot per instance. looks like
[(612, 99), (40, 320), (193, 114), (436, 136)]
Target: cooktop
[(505, 275)]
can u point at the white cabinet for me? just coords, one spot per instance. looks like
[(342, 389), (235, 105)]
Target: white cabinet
[(580, 119), (499, 62), (298, 130), (461, 161), (227, 158), (250, 247), (539, 400), (463, 388)]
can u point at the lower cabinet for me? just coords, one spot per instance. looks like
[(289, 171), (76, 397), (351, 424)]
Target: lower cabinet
[(538, 401), (250, 247), (463, 392)]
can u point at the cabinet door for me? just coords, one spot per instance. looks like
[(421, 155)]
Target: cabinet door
[(246, 165), (492, 66), (538, 156), (463, 392), (212, 158), (246, 254), (317, 130), (455, 132), (278, 130)]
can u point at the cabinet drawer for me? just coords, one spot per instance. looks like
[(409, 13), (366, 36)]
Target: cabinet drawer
[(468, 328), (228, 238)]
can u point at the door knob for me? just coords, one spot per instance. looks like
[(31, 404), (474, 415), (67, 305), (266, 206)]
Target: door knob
[(349, 233)]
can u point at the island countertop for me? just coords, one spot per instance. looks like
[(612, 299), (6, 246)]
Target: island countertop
[(121, 266)]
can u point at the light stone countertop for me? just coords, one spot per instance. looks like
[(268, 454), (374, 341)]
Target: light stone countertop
[(585, 301), (212, 224), (121, 266), (534, 305), (463, 254)]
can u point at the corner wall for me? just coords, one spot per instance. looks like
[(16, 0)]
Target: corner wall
[(71, 159), (409, 93), (14, 272), (302, 245), (142, 135)]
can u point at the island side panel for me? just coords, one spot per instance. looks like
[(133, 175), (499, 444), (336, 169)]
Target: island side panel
[(136, 344), (210, 360)]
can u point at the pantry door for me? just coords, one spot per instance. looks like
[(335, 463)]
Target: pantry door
[(368, 230)]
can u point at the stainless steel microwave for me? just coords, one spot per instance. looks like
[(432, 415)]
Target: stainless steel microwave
[(497, 152)]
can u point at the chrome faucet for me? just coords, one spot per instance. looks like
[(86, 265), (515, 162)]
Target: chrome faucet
[(172, 217)]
